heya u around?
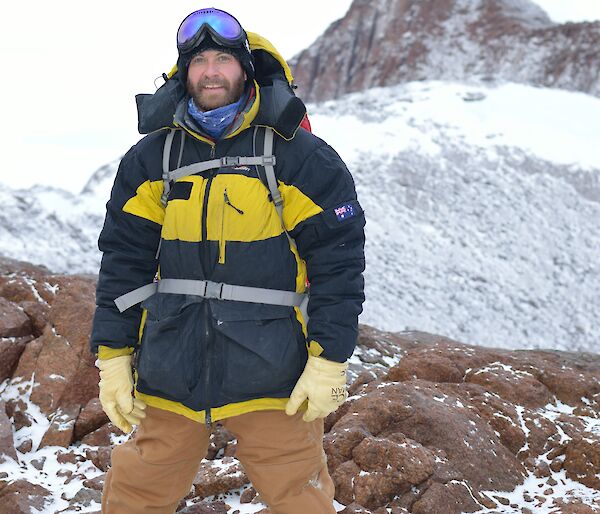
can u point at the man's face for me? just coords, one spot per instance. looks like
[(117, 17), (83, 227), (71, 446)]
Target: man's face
[(215, 79)]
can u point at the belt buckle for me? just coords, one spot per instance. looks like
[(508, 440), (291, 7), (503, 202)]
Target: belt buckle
[(213, 289), (230, 161)]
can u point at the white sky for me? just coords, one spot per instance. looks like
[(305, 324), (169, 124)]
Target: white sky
[(71, 72)]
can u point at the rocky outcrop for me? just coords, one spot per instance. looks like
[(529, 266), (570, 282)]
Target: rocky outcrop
[(46, 344), (386, 42), (431, 425)]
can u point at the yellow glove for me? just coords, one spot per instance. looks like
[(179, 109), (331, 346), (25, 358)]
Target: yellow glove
[(323, 383), (116, 387)]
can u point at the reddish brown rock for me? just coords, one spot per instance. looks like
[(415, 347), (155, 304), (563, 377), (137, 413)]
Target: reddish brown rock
[(571, 377), (28, 359), (73, 310), (25, 446), (438, 359), (343, 477), (83, 384), (55, 367), (248, 495), (386, 43), (453, 498), (379, 347), (417, 414), (576, 506), (13, 320), (220, 439), (85, 497), (95, 483), (61, 429), (7, 448), (389, 467), (206, 507), (90, 419), (582, 461), (18, 411), (524, 432), (516, 386), (102, 436), (64, 457), (218, 477), (18, 289), (354, 508), (21, 497), (10, 352), (100, 457), (38, 313)]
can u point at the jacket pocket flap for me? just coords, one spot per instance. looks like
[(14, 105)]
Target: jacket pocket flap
[(225, 310)]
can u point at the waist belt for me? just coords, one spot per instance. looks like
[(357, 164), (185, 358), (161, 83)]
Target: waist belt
[(209, 289)]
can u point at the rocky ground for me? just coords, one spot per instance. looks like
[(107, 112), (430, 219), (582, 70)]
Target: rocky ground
[(431, 426)]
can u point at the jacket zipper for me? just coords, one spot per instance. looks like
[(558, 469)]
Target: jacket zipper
[(226, 201), (207, 313)]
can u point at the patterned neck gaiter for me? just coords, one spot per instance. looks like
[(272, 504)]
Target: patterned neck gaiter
[(216, 121)]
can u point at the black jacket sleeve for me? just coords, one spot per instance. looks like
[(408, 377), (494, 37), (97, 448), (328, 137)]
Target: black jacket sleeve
[(332, 245), (129, 242)]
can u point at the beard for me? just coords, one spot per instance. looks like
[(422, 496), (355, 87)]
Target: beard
[(207, 100)]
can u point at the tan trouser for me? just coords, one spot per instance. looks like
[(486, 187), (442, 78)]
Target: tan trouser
[(282, 455)]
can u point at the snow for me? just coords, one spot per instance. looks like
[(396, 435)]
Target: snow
[(532, 487), (481, 205), (52, 473)]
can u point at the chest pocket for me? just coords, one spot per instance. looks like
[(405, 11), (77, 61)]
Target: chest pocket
[(239, 210), (184, 210), (181, 191)]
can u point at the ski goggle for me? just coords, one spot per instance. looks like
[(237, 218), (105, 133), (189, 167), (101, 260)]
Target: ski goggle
[(223, 28)]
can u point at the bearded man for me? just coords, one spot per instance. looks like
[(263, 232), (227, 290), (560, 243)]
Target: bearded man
[(204, 312)]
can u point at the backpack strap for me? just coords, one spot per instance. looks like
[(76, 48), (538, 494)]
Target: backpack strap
[(209, 289), (166, 166), (269, 162), (223, 162), (167, 178)]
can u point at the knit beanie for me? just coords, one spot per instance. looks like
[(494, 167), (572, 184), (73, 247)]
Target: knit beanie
[(242, 53)]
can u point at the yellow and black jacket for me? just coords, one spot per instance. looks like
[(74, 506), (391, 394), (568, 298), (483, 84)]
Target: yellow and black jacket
[(209, 359)]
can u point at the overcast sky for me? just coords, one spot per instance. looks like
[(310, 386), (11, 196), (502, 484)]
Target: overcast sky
[(71, 71)]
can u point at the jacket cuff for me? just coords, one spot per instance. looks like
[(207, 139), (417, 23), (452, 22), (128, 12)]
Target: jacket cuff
[(314, 348), (104, 352)]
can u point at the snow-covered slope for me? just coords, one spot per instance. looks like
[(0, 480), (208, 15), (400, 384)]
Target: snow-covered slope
[(54, 227), (482, 205), (483, 209)]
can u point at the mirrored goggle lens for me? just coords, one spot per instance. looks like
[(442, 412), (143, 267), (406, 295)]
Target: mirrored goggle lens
[(222, 23)]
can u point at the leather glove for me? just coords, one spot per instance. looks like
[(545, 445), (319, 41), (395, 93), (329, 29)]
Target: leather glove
[(323, 383), (116, 388)]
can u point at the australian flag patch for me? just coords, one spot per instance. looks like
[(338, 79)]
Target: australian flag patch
[(343, 212)]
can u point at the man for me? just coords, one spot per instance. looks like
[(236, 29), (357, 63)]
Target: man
[(223, 333)]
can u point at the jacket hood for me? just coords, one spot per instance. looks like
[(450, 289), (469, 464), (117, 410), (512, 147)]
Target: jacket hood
[(276, 104)]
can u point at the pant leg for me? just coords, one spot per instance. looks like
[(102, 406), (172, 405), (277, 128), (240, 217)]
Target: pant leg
[(283, 457), (155, 469)]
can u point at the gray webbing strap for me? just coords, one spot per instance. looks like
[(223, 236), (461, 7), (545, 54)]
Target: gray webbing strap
[(166, 159), (224, 162), (209, 289), (136, 296), (272, 182), (181, 146)]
